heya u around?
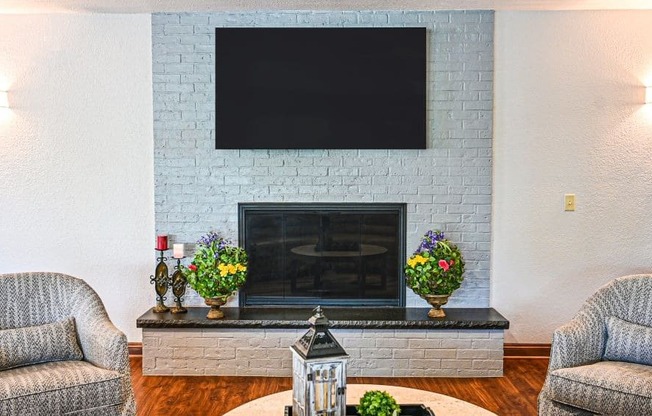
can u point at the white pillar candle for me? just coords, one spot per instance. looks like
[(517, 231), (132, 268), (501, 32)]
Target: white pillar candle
[(178, 251)]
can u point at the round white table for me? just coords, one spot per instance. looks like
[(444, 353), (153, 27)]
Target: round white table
[(441, 405)]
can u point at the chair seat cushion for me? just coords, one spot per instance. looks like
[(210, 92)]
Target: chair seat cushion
[(606, 387), (59, 388)]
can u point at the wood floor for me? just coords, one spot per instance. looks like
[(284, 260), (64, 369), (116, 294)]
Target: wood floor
[(514, 394)]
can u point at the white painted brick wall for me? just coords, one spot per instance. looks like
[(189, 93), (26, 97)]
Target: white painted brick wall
[(446, 186), (265, 352)]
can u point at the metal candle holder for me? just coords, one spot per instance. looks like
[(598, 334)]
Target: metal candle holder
[(178, 288), (161, 282)]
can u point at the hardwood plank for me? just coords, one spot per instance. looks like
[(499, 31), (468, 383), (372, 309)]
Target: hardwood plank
[(514, 394)]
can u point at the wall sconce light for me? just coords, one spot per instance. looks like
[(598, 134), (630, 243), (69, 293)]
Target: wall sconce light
[(648, 95), (4, 101)]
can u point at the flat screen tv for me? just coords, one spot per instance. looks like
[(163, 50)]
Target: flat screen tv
[(320, 88)]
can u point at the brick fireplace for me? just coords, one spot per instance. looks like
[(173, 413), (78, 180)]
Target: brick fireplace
[(445, 186)]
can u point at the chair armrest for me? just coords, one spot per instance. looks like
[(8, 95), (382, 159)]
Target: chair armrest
[(104, 345), (580, 341)]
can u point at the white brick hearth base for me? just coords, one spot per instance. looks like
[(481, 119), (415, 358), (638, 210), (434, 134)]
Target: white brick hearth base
[(373, 352)]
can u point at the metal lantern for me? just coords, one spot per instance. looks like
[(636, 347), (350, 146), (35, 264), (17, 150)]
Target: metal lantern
[(318, 371)]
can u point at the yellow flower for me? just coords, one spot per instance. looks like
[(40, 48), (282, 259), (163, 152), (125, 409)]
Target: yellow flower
[(223, 268), (417, 259), (230, 269)]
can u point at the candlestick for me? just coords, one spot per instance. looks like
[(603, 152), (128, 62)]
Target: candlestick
[(178, 251), (161, 282), (178, 288), (162, 242)]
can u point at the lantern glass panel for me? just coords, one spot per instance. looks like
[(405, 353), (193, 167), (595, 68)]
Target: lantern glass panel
[(325, 389), (327, 378)]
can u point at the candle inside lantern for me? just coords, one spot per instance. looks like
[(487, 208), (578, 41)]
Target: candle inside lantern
[(162, 242), (178, 251)]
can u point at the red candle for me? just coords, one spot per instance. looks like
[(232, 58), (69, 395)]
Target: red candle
[(162, 242)]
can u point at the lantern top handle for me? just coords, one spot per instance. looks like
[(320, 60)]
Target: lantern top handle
[(318, 320)]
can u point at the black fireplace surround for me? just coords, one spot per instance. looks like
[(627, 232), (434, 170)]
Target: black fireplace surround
[(331, 254)]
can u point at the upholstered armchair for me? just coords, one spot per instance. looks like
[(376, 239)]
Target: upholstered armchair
[(59, 352), (601, 361)]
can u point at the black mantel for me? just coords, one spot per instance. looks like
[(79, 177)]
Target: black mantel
[(361, 318)]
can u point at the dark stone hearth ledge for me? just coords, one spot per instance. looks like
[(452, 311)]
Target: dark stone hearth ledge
[(369, 318)]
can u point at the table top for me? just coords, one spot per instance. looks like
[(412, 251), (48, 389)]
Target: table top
[(365, 250), (274, 404)]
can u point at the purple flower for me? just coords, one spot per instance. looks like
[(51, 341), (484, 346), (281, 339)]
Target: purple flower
[(429, 241), (209, 238), (213, 238), (222, 244)]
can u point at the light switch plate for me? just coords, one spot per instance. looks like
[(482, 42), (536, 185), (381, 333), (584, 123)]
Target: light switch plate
[(569, 202)]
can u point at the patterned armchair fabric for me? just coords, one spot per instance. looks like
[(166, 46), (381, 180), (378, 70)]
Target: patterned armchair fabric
[(99, 385), (580, 381)]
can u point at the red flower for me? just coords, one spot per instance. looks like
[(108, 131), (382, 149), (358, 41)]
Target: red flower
[(193, 267), (444, 265)]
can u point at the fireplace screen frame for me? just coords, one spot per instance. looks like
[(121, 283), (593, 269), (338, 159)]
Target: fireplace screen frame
[(398, 209)]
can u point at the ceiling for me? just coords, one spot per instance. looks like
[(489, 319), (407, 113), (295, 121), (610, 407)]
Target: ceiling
[(152, 6)]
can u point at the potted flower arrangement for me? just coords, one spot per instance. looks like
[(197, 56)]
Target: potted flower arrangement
[(435, 271), (216, 272), (378, 403)]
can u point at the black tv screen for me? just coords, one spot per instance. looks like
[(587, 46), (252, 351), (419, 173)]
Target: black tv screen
[(320, 88)]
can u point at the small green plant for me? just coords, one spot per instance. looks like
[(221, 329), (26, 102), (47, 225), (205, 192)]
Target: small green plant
[(218, 269), (378, 403), (436, 267)]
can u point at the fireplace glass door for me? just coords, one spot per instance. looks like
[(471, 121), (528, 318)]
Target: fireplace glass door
[(327, 254)]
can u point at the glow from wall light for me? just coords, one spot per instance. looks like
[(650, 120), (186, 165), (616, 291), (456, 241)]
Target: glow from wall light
[(4, 100), (648, 95)]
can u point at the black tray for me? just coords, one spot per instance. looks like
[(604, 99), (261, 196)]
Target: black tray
[(406, 410)]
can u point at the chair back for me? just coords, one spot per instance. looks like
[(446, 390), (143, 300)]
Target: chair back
[(628, 298), (29, 299)]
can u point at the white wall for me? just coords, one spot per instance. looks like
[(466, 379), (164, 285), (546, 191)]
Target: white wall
[(76, 154), (76, 174), (569, 118)]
